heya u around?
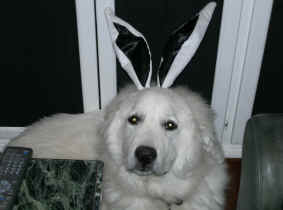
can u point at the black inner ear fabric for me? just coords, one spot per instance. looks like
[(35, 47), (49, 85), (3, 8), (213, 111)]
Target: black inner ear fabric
[(173, 45), (136, 50)]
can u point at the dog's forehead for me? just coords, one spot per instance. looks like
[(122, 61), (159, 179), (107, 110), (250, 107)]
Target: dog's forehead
[(155, 99)]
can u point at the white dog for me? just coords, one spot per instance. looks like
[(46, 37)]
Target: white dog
[(158, 145)]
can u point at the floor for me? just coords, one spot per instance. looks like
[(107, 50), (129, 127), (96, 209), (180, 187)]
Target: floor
[(234, 170)]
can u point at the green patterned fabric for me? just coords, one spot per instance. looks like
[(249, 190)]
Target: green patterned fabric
[(61, 185)]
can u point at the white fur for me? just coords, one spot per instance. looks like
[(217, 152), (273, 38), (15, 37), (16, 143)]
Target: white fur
[(189, 165)]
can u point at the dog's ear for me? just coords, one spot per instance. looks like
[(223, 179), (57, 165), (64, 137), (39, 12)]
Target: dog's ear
[(182, 45), (212, 146), (192, 155), (114, 115), (198, 141), (189, 155), (131, 49)]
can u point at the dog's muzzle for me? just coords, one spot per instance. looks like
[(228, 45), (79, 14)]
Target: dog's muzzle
[(145, 157)]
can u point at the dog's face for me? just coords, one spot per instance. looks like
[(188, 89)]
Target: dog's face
[(152, 132)]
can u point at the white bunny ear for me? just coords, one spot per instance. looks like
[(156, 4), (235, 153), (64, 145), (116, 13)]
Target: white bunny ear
[(182, 45), (131, 50)]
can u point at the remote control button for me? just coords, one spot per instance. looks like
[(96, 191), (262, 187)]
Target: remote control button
[(26, 152)]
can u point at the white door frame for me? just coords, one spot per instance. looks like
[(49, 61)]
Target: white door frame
[(107, 59), (87, 37), (241, 46)]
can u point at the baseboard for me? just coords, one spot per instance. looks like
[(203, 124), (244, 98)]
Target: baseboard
[(232, 150)]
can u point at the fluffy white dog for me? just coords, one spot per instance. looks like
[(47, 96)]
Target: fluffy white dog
[(158, 145)]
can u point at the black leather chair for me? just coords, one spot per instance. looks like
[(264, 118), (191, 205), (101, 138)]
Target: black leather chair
[(261, 186)]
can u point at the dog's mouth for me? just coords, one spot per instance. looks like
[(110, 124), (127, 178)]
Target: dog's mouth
[(142, 172), (146, 171)]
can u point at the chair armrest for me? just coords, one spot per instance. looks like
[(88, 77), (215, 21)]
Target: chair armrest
[(261, 186)]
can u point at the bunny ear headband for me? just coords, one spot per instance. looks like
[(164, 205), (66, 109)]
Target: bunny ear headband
[(130, 46)]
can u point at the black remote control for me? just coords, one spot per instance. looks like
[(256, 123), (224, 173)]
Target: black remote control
[(13, 164)]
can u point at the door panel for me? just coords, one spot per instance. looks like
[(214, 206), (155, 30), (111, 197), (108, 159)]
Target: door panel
[(40, 68), (270, 86)]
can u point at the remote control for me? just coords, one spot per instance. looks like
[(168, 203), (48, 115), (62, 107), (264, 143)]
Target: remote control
[(13, 164)]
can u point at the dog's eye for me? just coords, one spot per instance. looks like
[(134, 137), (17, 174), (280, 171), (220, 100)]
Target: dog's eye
[(170, 125), (134, 120)]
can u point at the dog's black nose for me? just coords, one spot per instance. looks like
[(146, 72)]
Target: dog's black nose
[(145, 155)]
